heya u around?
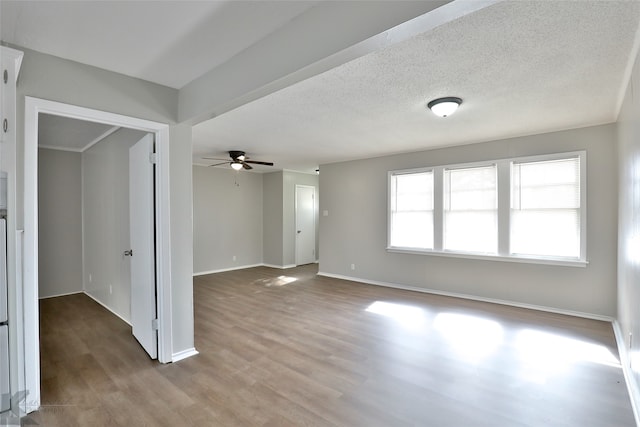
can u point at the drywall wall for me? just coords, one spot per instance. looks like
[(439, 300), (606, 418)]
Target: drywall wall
[(59, 223), (272, 219), (289, 181), (629, 227), (105, 197), (227, 219), (279, 219), (355, 230), (48, 77)]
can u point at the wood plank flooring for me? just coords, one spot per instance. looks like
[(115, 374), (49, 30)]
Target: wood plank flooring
[(289, 348)]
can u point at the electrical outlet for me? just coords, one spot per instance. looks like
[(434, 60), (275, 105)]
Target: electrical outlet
[(110, 289), (90, 279), (234, 257), (353, 266)]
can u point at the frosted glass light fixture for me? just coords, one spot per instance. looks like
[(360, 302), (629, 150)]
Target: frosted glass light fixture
[(444, 107), (236, 165)]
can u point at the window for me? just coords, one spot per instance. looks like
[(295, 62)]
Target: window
[(545, 208), (524, 209), (471, 209), (411, 197)]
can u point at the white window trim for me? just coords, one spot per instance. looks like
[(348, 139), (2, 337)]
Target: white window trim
[(504, 212)]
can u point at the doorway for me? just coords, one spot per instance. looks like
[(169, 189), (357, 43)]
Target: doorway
[(305, 224), (33, 107)]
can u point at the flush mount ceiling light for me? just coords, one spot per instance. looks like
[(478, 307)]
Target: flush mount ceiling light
[(444, 107)]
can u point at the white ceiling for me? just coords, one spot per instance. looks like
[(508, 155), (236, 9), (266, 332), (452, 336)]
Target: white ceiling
[(67, 134), (151, 40), (521, 67)]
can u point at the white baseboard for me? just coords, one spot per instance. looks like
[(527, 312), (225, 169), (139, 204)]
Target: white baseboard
[(61, 295), (471, 297), (107, 307), (222, 270), (625, 362), (176, 357), (281, 267)]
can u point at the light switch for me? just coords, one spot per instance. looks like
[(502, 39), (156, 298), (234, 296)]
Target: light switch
[(325, 213)]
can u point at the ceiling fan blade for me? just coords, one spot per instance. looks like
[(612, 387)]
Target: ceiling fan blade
[(218, 164), (246, 166), (259, 163), (213, 158)]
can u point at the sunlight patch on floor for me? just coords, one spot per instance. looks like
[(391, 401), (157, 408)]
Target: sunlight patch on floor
[(473, 337), (546, 354), (408, 316), (279, 281)]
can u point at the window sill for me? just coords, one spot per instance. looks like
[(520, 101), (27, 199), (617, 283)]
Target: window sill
[(501, 258)]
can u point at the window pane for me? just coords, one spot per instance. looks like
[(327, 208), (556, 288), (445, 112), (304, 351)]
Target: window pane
[(471, 210), (412, 229), (545, 208), (411, 219)]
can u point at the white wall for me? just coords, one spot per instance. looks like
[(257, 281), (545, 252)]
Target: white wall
[(48, 77), (59, 223), (105, 202), (227, 219), (629, 226), (355, 194)]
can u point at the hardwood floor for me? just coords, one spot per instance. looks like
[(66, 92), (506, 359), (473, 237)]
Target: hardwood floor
[(288, 348)]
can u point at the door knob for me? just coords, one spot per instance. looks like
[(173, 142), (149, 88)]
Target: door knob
[(128, 253), (299, 231)]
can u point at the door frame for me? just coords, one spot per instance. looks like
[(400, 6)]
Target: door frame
[(34, 106), (315, 222)]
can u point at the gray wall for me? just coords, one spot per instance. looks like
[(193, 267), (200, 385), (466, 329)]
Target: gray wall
[(227, 219), (279, 247), (629, 225), (272, 219), (59, 223), (105, 201), (355, 231), (56, 79), (254, 220)]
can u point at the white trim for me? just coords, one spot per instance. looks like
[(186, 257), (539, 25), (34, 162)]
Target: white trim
[(295, 220), (625, 362), (181, 355), (282, 267), (500, 258), (503, 210), (111, 130), (34, 106), (222, 270), (62, 295), (472, 297), (107, 308)]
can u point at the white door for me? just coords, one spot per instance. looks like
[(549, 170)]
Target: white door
[(142, 250), (305, 207)]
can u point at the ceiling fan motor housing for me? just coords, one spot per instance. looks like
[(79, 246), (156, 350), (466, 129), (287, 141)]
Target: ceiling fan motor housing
[(237, 155)]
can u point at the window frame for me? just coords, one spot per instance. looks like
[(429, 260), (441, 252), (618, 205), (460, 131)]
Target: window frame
[(503, 171)]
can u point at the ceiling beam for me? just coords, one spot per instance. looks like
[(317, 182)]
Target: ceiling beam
[(327, 35)]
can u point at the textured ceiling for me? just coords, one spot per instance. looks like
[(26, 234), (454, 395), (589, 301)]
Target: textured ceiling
[(522, 67), (166, 42)]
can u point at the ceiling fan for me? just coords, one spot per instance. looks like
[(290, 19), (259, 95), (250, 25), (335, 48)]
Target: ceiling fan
[(238, 161)]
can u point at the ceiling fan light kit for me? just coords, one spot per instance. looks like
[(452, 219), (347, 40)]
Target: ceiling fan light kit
[(444, 107), (239, 160)]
